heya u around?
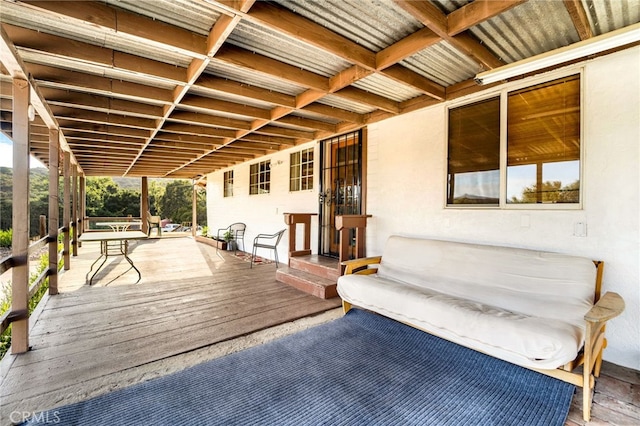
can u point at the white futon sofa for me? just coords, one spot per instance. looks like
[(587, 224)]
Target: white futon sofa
[(531, 308)]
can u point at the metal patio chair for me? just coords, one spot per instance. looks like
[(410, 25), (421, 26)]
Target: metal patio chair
[(153, 222), (237, 231), (268, 241)]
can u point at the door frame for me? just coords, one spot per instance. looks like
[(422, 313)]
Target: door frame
[(362, 166)]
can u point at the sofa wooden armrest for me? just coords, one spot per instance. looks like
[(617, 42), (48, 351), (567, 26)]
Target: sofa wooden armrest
[(361, 266), (608, 307)]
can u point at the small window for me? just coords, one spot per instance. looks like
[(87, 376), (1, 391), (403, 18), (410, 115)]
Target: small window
[(474, 154), (260, 178), (228, 183), (301, 170)]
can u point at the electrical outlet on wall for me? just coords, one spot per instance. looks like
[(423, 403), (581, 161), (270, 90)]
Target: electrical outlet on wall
[(580, 229)]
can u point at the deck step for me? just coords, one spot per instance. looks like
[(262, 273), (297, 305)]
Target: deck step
[(321, 287), (321, 266)]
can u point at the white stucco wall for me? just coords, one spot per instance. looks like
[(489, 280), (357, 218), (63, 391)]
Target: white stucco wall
[(262, 213), (406, 192)]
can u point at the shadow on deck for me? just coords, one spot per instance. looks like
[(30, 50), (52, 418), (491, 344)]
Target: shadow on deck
[(192, 304)]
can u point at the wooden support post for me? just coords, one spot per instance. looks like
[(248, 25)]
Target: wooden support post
[(66, 209), (194, 210), (74, 211), (144, 204), (82, 205), (20, 217), (54, 198)]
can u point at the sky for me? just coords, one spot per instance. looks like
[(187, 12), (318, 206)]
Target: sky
[(6, 154)]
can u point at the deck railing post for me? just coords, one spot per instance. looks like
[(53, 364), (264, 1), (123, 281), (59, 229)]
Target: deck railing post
[(20, 219), (54, 199), (82, 206), (42, 226), (74, 211), (67, 209), (144, 204)]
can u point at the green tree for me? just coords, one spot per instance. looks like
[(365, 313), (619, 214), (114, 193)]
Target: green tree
[(176, 202), (551, 192), (105, 198)]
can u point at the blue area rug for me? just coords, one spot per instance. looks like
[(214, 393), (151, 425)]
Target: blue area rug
[(362, 369)]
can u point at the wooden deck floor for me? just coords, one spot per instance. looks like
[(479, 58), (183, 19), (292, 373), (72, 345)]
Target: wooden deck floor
[(191, 305), (89, 340)]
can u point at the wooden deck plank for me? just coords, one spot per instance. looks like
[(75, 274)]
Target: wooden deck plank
[(88, 334)]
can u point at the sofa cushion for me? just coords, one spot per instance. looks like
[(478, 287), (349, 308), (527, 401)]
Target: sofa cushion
[(534, 283), (518, 338), (524, 306)]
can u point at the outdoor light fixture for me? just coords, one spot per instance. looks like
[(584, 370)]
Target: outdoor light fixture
[(610, 40)]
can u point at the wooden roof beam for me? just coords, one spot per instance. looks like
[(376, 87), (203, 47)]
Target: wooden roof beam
[(434, 19), (139, 29), (93, 54), (59, 78), (477, 12), (579, 17)]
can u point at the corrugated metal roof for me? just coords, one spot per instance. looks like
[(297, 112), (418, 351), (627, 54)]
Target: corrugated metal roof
[(284, 48), (339, 102), (386, 87), (197, 17), (526, 30), (75, 29), (314, 116), (224, 96), (372, 24), (243, 75), (442, 63), (610, 15), (99, 70)]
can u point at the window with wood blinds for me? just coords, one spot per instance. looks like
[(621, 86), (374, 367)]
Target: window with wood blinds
[(519, 148), (543, 143), (474, 154)]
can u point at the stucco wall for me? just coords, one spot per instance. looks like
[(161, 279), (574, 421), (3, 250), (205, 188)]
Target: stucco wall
[(263, 213), (406, 192)]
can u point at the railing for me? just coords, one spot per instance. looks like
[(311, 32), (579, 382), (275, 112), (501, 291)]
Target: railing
[(293, 219), (90, 222), (9, 262), (344, 224)]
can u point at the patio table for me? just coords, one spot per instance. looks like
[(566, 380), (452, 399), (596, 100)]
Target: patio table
[(120, 249), (121, 225)]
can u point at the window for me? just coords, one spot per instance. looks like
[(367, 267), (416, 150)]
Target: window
[(301, 170), (228, 183), (474, 153), (535, 134), (543, 143), (260, 178)]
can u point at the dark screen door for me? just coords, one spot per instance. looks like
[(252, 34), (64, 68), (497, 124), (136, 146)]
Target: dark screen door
[(340, 186)]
